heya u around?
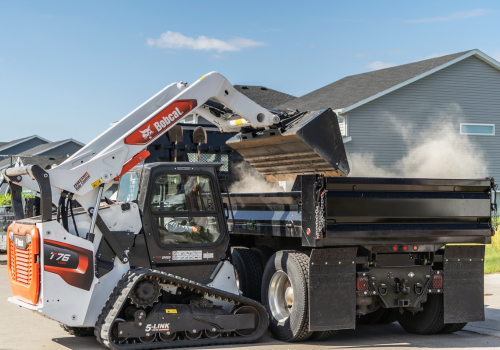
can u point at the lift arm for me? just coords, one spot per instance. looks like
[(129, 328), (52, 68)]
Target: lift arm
[(122, 146)]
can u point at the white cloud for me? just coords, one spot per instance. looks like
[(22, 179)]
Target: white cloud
[(456, 15), (173, 40), (379, 65)]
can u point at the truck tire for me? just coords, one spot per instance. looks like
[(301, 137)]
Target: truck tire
[(249, 272), (371, 318), (321, 335), (285, 284), (428, 321), (389, 316), (452, 327), (263, 254)]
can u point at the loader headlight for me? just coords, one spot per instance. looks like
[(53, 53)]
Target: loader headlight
[(11, 235), (28, 238)]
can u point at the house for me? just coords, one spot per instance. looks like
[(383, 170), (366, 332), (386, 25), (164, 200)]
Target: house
[(34, 150), (263, 96), (36, 146), (20, 145), (388, 114)]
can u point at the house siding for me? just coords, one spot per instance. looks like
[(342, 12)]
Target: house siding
[(465, 92), (63, 150), (21, 147)]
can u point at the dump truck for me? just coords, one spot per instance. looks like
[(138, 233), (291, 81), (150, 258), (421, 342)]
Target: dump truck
[(178, 261)]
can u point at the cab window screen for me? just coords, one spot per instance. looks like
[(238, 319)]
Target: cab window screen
[(187, 230), (173, 192), (128, 187)]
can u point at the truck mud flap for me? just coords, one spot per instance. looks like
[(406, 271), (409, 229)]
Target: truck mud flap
[(463, 283), (332, 289)]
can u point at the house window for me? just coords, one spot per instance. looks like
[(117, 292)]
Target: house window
[(342, 125), (477, 129)]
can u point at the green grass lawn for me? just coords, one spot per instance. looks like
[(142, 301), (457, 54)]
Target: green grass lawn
[(492, 258)]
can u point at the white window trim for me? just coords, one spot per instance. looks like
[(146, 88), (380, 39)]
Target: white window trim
[(345, 137), (477, 134)]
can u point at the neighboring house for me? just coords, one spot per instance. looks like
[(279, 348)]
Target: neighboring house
[(20, 145), (263, 96), (46, 154), (385, 112), (62, 148)]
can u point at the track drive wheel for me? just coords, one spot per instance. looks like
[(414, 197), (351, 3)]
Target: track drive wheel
[(263, 254), (249, 272), (145, 293), (428, 321), (285, 295)]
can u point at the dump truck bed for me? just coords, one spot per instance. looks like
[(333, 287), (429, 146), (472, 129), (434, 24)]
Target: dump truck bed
[(370, 211)]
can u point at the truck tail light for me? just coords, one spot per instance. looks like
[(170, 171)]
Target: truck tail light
[(362, 284), (437, 281)]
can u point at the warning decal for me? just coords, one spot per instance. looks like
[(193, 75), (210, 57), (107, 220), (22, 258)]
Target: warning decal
[(186, 255), (81, 181)]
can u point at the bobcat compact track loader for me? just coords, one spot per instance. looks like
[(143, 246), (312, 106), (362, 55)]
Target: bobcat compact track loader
[(155, 271)]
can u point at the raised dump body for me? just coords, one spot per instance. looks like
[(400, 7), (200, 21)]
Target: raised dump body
[(335, 211)]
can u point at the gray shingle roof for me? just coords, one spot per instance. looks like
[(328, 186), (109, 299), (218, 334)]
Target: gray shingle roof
[(355, 88), (41, 148), (263, 96), (6, 145)]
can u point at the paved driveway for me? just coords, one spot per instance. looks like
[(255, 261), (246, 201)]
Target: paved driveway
[(23, 329)]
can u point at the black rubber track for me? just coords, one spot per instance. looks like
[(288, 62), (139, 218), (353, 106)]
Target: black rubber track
[(452, 327), (321, 335), (249, 272), (296, 265), (119, 297), (263, 254), (429, 321)]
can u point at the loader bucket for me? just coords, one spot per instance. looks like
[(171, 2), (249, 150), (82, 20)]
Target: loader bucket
[(310, 144)]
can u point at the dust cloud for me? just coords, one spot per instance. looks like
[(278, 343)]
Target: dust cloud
[(250, 180), (442, 153)]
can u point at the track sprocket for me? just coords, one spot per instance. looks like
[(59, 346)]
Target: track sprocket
[(145, 293)]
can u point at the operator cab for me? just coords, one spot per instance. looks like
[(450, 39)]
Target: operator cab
[(183, 217)]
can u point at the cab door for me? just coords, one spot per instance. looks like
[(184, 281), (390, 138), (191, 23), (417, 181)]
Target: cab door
[(183, 221)]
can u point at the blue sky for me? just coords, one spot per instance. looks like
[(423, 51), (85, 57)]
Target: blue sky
[(68, 69)]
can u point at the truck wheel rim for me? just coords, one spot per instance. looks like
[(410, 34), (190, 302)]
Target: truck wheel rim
[(280, 296)]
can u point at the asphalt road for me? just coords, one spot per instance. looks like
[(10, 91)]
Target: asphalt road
[(23, 329)]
